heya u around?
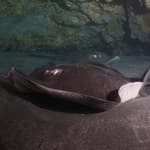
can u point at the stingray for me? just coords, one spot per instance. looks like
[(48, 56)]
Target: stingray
[(92, 85), (27, 127), (24, 126)]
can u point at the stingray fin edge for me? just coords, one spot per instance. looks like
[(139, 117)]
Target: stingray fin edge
[(25, 84)]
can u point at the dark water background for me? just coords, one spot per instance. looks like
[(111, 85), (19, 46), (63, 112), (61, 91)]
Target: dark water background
[(28, 61)]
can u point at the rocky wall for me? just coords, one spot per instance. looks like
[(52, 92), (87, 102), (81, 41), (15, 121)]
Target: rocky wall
[(99, 25)]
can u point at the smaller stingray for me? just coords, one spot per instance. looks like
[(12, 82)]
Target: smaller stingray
[(95, 86)]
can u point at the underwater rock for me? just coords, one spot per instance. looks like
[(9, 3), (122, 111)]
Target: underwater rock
[(59, 24), (76, 25)]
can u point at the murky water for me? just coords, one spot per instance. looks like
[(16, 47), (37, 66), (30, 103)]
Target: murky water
[(28, 61)]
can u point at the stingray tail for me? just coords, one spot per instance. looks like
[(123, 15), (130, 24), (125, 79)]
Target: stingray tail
[(114, 59)]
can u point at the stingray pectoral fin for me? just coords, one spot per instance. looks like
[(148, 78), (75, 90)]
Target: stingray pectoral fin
[(26, 84), (82, 99)]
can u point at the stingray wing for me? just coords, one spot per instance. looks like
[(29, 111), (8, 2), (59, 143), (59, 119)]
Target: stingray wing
[(26, 84)]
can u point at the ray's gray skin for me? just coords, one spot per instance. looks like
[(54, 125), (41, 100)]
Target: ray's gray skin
[(28, 85), (90, 85), (24, 126)]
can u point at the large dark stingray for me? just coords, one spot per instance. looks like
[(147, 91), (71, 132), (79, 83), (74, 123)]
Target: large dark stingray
[(95, 86), (92, 85), (24, 126)]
